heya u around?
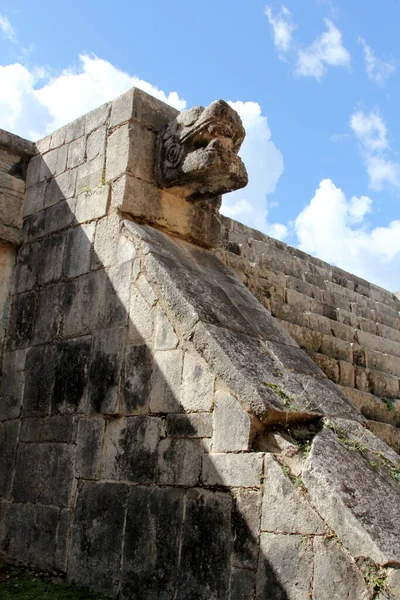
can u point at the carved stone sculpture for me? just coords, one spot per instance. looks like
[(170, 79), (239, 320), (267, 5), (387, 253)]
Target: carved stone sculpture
[(198, 152)]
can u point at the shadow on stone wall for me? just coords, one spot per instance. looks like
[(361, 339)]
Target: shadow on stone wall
[(100, 490)]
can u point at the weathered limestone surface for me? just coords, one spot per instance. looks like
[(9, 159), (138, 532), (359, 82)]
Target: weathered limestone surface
[(348, 326), (161, 433)]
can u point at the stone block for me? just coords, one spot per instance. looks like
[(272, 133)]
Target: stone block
[(328, 365), (73, 361), (179, 462), (76, 152), (51, 304), (59, 429), (14, 361), (60, 188), (90, 175), (374, 408), (63, 539), (335, 574), (117, 292), (75, 130), (11, 395), (130, 450), (28, 534), (34, 198), (39, 381), (192, 425), (346, 488), (78, 250), (43, 145), (51, 258), (140, 318), (130, 149), (57, 138), (164, 335), (382, 362), (233, 470), (387, 433), (55, 218), (138, 368), (92, 204), (106, 370), (44, 473), (8, 445), (110, 247), (285, 507), (97, 117), (246, 515), (53, 163), (32, 177), (336, 348), (141, 107), (285, 568), (242, 584), (207, 524), (232, 425), (197, 384), (89, 444), (97, 530), (166, 381), (347, 374), (377, 383), (84, 293), (21, 319), (152, 540), (96, 143), (26, 271)]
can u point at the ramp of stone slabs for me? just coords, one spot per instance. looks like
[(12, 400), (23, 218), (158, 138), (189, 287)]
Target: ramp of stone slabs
[(265, 369)]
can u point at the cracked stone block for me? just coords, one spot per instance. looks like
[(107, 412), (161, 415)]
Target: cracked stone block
[(39, 380), (246, 515), (207, 524), (285, 567), (60, 429), (232, 425), (95, 555), (285, 507), (71, 375), (140, 318), (152, 543), (105, 371), (78, 250)]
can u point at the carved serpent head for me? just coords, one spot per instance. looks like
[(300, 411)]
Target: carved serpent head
[(198, 152)]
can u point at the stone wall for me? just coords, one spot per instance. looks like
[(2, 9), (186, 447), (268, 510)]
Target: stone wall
[(162, 435), (347, 325)]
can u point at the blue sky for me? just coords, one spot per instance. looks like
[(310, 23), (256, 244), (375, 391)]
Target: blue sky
[(316, 83)]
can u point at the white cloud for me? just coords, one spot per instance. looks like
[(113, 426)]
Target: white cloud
[(264, 164), (336, 230), (326, 50), (6, 28), (377, 69), (32, 108), (282, 27), (371, 133)]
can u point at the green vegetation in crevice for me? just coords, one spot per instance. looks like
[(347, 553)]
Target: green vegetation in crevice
[(288, 400), (359, 445), (374, 576), (20, 583)]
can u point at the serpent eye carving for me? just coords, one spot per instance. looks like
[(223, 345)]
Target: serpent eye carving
[(197, 153), (173, 153)]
